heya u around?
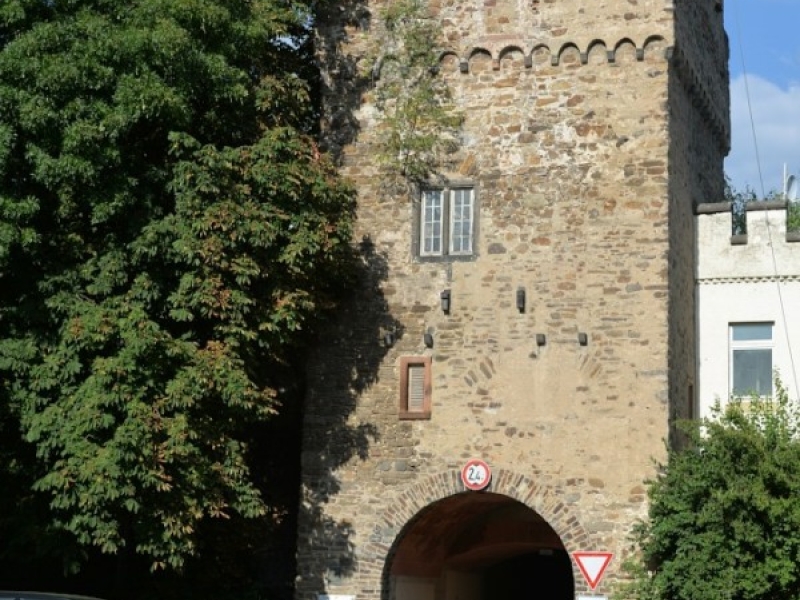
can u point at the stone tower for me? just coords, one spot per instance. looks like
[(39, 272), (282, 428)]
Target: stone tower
[(531, 311)]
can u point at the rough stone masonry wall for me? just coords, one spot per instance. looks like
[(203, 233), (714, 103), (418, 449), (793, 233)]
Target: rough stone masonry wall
[(569, 142), (699, 141)]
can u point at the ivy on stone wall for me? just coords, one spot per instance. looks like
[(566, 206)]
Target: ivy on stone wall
[(418, 123)]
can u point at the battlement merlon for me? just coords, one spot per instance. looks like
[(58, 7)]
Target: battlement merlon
[(726, 255)]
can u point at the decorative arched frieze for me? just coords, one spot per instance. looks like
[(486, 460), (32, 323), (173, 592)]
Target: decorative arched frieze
[(565, 50), (622, 45), (495, 51), (447, 54), (542, 50), (476, 50), (652, 40), (480, 54), (597, 48), (509, 50), (654, 48), (749, 279)]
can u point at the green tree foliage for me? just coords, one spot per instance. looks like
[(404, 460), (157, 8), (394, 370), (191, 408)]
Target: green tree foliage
[(168, 231), (739, 200), (724, 518), (418, 119), (793, 216)]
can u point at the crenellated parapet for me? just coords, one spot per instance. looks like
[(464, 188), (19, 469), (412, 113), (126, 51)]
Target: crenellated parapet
[(559, 53), (761, 225)]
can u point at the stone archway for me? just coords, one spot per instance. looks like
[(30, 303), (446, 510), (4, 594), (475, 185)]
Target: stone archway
[(512, 502)]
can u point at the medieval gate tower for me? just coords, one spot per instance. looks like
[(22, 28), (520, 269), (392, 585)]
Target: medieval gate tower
[(532, 310)]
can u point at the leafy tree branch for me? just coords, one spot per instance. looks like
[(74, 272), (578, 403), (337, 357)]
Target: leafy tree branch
[(169, 232), (724, 521), (418, 122), (739, 200)]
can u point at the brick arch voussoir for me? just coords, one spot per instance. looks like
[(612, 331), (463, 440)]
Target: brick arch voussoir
[(546, 501)]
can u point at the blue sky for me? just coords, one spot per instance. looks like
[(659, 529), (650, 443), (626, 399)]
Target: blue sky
[(765, 43)]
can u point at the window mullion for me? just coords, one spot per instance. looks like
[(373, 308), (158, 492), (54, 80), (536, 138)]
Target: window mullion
[(447, 222)]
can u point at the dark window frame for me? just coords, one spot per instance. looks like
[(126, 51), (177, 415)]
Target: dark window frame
[(418, 223)]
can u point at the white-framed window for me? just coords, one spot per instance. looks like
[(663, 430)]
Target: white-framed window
[(446, 222), (750, 358)]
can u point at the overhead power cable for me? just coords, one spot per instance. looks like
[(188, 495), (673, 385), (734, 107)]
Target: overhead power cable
[(784, 320)]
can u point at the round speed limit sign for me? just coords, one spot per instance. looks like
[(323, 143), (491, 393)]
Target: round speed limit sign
[(476, 475)]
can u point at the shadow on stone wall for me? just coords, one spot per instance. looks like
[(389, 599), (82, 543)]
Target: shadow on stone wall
[(351, 348), (347, 363), (342, 84)]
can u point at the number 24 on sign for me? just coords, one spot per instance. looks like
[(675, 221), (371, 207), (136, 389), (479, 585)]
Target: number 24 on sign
[(475, 475)]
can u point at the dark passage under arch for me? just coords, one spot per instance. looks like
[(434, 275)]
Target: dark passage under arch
[(478, 546)]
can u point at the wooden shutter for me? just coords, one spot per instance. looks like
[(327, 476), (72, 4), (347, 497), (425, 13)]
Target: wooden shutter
[(415, 387)]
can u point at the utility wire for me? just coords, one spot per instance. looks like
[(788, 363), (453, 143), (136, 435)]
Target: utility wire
[(764, 195), (749, 104)]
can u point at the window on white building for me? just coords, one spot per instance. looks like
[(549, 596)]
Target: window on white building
[(751, 359), (446, 222)]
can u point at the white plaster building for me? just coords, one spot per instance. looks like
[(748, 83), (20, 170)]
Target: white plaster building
[(748, 303)]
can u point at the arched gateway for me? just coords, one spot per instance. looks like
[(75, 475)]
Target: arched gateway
[(508, 541), (531, 304)]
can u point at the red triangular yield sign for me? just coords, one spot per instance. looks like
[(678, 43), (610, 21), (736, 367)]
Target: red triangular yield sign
[(592, 565)]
